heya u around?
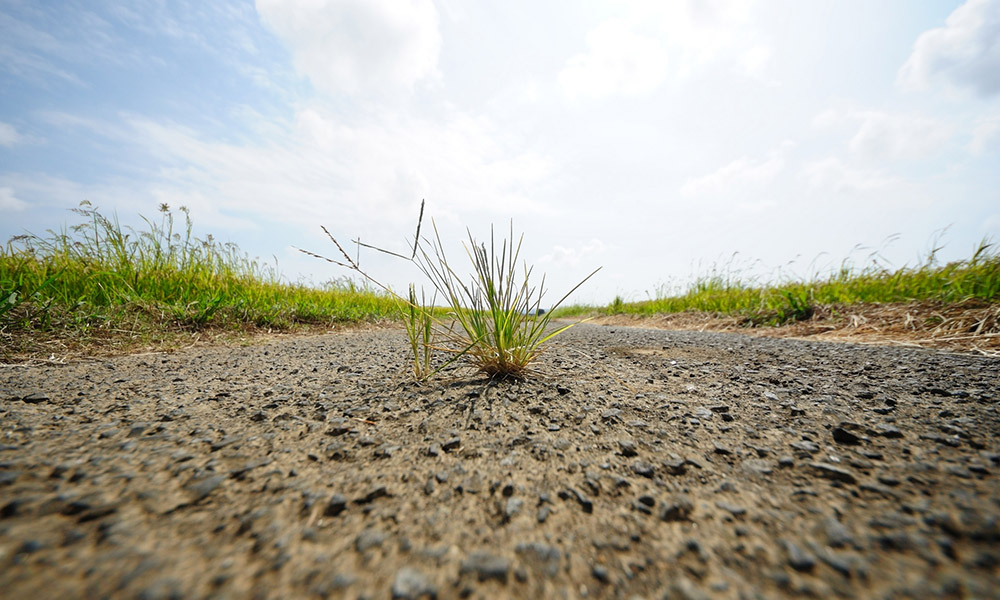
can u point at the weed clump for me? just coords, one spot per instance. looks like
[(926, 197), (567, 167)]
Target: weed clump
[(494, 321)]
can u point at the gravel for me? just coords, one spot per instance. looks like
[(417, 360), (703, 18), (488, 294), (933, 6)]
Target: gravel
[(635, 463)]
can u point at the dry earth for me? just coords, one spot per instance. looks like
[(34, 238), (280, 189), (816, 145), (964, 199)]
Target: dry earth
[(639, 464)]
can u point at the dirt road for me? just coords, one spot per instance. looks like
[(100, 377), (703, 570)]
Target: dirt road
[(637, 464)]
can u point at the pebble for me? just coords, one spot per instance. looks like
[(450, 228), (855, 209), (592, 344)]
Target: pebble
[(512, 507), (677, 509), (799, 559), (335, 506), (643, 469), (36, 398), (833, 472), (540, 556), (412, 584), (627, 448), (368, 539), (486, 566), (735, 509)]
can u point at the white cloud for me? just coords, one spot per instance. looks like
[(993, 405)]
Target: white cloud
[(619, 61), (898, 135), (965, 52), (832, 174), (322, 170), (637, 52), (985, 135), (358, 46), (734, 177), (9, 202), (8, 135), (572, 257)]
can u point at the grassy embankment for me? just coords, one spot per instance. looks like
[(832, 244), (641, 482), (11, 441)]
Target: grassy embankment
[(975, 281), (99, 285)]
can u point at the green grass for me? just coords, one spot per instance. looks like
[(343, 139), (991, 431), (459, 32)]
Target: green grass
[(492, 321), (726, 293), (99, 276)]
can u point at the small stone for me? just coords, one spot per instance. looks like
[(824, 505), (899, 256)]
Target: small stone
[(36, 398), (889, 431), (799, 559), (375, 493), (335, 506), (806, 446), (627, 448), (411, 584), (226, 441), (486, 566), (833, 472), (206, 486), (540, 556), (735, 509), (643, 469), (562, 390), (368, 539), (843, 436), (600, 573), (451, 444), (512, 508), (676, 466), (677, 509), (721, 449), (837, 535)]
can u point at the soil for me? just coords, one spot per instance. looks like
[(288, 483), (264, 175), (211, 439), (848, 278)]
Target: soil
[(637, 463)]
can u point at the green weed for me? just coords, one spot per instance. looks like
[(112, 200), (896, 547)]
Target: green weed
[(494, 320)]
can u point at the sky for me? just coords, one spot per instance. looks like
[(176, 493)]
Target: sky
[(659, 140)]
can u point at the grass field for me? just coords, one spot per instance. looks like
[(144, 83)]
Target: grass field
[(98, 283), (99, 286), (974, 279)]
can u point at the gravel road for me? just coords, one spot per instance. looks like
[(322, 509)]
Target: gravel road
[(638, 464)]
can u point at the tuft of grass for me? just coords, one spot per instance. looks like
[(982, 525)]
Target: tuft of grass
[(494, 320), (97, 279), (726, 293)]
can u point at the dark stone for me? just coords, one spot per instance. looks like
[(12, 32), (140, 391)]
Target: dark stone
[(36, 398), (335, 506), (843, 436), (643, 469), (799, 559), (627, 448), (833, 472), (600, 573), (486, 566), (677, 509)]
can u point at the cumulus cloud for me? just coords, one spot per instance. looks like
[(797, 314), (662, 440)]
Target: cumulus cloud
[(898, 135), (572, 257), (8, 135), (9, 202), (358, 46), (618, 61), (833, 174), (736, 176), (636, 53), (965, 52)]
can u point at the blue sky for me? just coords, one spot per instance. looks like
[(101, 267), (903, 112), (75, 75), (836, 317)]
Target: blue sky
[(655, 139)]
